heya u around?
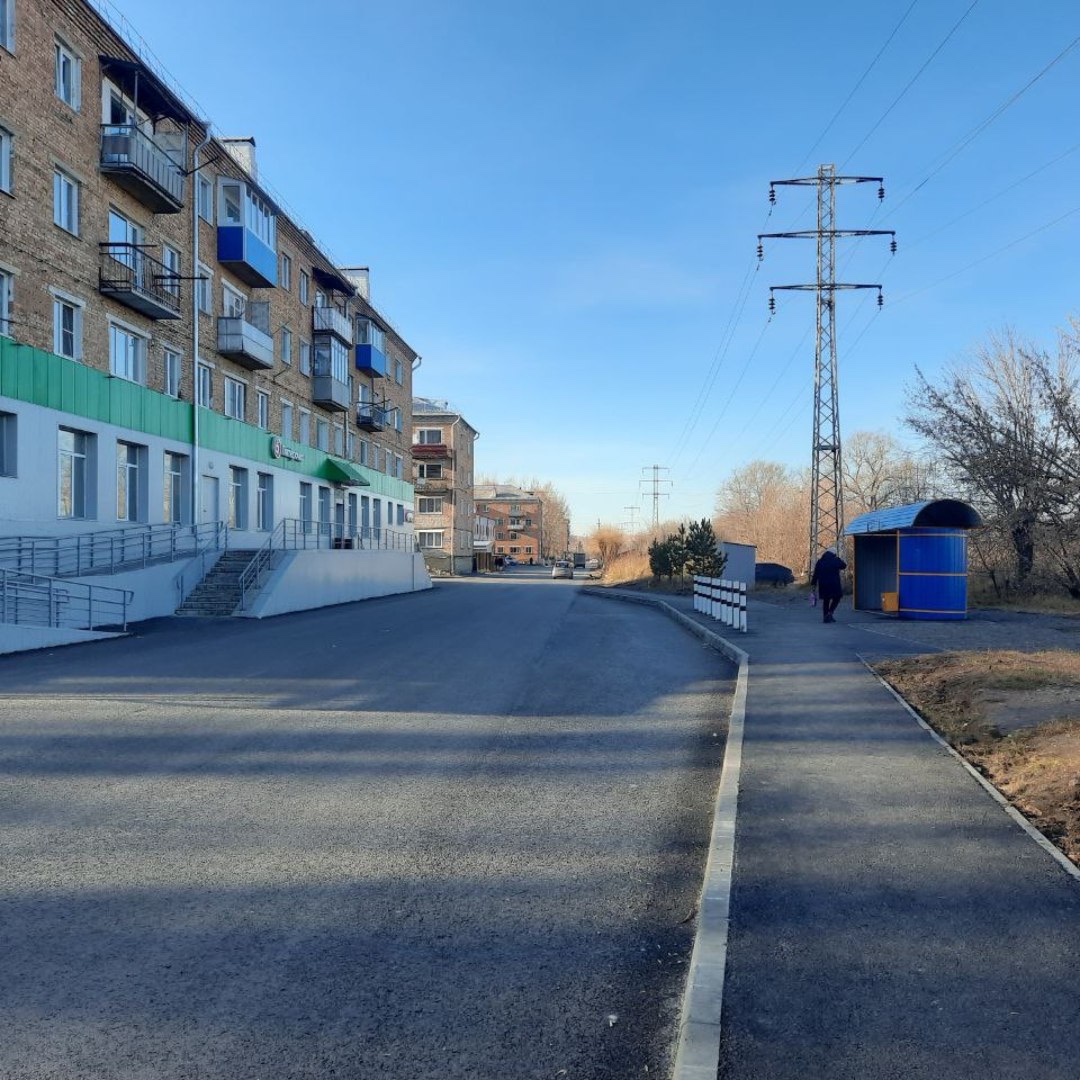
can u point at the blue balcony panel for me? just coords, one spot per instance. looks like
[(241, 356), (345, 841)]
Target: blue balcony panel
[(248, 257), (370, 360)]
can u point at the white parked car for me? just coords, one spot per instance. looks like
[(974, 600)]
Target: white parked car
[(562, 569)]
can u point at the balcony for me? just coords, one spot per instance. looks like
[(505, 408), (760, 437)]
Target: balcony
[(142, 168), (329, 320), (433, 485), (131, 276), (330, 392), (370, 417), (247, 234), (431, 451), (370, 360), (246, 338)]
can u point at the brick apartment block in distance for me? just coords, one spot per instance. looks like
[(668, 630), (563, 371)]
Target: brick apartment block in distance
[(519, 520), (176, 352), (443, 462)]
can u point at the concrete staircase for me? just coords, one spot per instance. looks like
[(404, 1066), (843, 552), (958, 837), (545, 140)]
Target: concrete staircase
[(218, 593)]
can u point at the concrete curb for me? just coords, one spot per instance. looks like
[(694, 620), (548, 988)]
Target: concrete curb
[(1054, 852), (697, 1055)]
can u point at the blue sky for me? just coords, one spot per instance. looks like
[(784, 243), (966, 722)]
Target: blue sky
[(559, 203)]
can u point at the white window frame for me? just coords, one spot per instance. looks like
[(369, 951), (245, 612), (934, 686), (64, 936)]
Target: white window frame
[(322, 434), (84, 508), (9, 443), (120, 371), (264, 502), (434, 504), (305, 357), (133, 509), (305, 427), (204, 197), (170, 259), (262, 408), (286, 415), (350, 445), (63, 299), (7, 155), (238, 497), (173, 369), (305, 287), (235, 398), (399, 467), (423, 538), (399, 373), (7, 25), (233, 301), (174, 488), (7, 301), (204, 384), (339, 440), (422, 437), (286, 346), (286, 272), (204, 285), (66, 201), (68, 91)]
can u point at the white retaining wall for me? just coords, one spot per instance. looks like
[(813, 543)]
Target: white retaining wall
[(24, 638), (313, 579)]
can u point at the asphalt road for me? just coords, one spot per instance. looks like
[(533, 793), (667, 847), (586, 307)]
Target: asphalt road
[(455, 834)]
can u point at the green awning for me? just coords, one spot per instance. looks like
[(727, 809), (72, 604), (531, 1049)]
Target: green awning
[(341, 472)]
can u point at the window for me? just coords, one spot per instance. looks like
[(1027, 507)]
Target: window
[(339, 440), (7, 24), (305, 427), (264, 503), (375, 456), (172, 373), (205, 199), (7, 296), (204, 288), (235, 398), (68, 75), (400, 514), (350, 445), (305, 357), (233, 301), (324, 505), (262, 399), (170, 257), (398, 423), (286, 272), (430, 506), (305, 285), (429, 436), (322, 434), (8, 443), (332, 358), (205, 394), (367, 333), (238, 481), (176, 488), (399, 373), (306, 504), (67, 327), (430, 471), (127, 354), (399, 466), (286, 345), (430, 539), (7, 142), (364, 451), (286, 419), (66, 201), (320, 298), (75, 463), (130, 478)]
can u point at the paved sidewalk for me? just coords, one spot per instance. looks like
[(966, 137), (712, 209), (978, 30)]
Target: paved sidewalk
[(888, 918)]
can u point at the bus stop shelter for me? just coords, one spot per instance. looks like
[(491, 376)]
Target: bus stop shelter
[(912, 561)]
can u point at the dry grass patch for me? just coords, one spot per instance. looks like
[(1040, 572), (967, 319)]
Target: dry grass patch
[(1015, 717), (631, 571)]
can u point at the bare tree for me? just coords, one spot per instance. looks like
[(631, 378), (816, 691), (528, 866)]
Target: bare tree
[(606, 542), (878, 471), (1001, 437)]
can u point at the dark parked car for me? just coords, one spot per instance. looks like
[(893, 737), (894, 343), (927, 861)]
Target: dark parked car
[(773, 573)]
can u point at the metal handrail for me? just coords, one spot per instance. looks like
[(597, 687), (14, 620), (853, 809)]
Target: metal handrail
[(36, 600), (201, 552), (109, 550), (128, 268), (296, 534), (129, 145)]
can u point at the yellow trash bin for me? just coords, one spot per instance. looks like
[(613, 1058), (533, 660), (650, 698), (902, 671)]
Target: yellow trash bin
[(890, 602)]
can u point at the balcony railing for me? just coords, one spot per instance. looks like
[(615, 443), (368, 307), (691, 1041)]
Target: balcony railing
[(329, 320), (430, 450), (371, 417), (142, 168), (330, 392), (433, 485), (246, 338), (129, 274)]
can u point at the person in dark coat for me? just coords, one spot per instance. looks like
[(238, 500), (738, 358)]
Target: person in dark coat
[(826, 579)]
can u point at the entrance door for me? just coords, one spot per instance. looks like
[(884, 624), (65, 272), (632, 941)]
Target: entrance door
[(376, 520), (339, 520), (208, 499)]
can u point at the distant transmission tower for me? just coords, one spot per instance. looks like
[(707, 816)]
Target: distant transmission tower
[(656, 481), (827, 490)]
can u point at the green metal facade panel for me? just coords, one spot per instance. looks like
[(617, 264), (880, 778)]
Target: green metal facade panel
[(54, 382)]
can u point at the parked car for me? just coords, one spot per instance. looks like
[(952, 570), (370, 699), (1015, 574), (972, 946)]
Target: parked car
[(773, 573), (592, 564), (562, 569)]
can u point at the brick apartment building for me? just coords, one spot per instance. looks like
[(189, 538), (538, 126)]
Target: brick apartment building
[(173, 346), (519, 520), (443, 458)]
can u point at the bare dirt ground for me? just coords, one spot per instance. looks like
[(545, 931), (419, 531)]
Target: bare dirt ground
[(1016, 717)]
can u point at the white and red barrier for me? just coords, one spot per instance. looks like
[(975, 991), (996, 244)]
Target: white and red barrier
[(722, 600)]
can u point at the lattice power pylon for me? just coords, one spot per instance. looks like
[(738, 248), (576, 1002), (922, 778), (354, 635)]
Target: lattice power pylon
[(827, 487)]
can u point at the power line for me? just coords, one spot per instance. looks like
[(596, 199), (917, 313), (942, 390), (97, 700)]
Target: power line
[(657, 481), (911, 82)]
